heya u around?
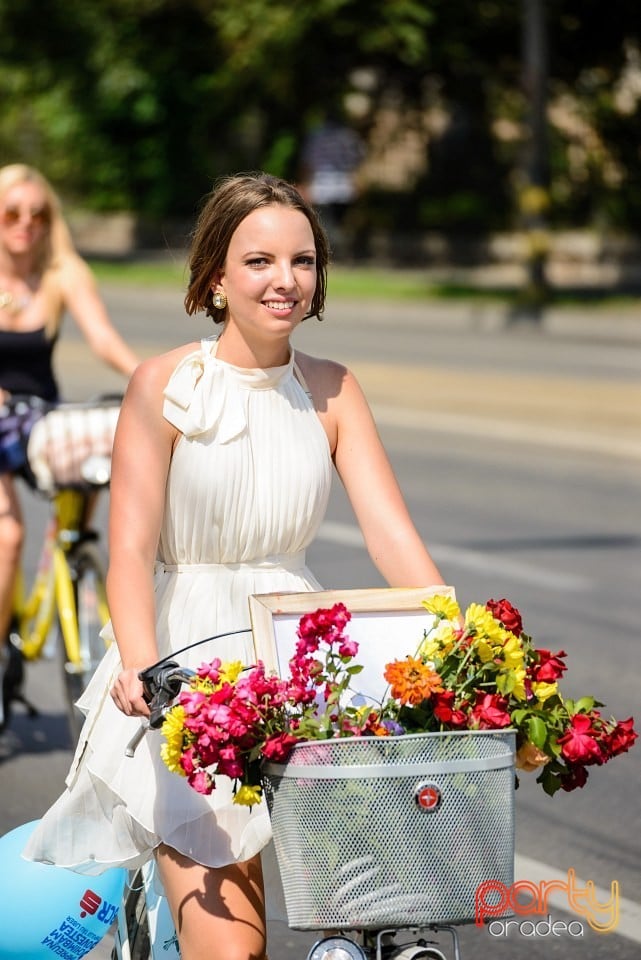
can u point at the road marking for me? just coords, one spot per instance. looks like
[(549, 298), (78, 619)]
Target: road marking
[(629, 924), (349, 535), (509, 430)]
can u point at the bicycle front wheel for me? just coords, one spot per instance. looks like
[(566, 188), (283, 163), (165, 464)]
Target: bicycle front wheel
[(88, 584), (136, 924)]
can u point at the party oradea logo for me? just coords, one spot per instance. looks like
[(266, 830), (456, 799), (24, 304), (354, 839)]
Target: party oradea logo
[(523, 907)]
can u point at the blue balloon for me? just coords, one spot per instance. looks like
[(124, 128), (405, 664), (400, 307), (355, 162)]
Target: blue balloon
[(50, 913)]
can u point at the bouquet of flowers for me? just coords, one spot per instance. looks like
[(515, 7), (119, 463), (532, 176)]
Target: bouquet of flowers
[(476, 671)]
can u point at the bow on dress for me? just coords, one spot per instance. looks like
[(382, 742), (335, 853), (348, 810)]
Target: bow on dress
[(198, 399)]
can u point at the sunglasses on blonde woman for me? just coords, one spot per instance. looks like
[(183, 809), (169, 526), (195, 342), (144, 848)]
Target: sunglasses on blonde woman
[(39, 216)]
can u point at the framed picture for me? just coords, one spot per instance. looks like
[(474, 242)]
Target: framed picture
[(387, 624)]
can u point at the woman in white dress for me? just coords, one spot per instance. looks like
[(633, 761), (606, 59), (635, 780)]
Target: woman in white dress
[(221, 475)]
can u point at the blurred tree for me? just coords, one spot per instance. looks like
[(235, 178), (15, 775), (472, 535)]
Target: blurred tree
[(140, 104), (106, 97)]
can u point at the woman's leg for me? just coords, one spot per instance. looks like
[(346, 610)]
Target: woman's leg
[(219, 913), (11, 539)]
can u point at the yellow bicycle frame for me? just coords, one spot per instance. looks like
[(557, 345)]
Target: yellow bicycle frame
[(53, 588)]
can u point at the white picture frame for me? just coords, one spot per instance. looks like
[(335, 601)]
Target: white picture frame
[(387, 623)]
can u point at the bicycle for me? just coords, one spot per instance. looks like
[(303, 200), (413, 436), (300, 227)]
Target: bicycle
[(64, 607), (145, 929)]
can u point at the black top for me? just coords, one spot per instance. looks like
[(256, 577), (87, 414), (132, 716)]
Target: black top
[(26, 363)]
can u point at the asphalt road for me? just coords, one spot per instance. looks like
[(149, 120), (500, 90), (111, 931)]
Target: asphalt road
[(519, 453)]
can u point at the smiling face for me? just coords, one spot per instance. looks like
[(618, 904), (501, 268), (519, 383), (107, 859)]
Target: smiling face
[(24, 218), (269, 276)]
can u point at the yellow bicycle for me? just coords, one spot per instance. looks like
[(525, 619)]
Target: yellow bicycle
[(65, 605)]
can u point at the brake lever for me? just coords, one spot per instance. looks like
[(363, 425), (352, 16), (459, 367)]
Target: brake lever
[(160, 688)]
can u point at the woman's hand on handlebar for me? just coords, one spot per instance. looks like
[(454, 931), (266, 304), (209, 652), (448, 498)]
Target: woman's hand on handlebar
[(127, 694)]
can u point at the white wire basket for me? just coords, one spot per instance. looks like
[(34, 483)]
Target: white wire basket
[(400, 831), (70, 446)]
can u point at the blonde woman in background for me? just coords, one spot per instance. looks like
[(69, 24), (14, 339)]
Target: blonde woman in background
[(41, 277)]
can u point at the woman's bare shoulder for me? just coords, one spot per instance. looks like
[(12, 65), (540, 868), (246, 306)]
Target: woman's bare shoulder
[(327, 378), (152, 375), (319, 370)]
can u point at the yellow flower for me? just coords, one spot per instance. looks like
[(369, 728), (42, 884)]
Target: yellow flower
[(480, 623), (173, 730), (484, 650), (248, 795), (231, 671), (429, 649), (519, 685), (445, 608), (438, 643), (544, 690), (512, 652)]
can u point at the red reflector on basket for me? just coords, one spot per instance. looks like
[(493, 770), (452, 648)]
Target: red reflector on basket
[(428, 797)]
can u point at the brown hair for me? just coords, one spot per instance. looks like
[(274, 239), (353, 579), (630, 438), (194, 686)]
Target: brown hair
[(233, 199)]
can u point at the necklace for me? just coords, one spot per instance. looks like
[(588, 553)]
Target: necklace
[(11, 303)]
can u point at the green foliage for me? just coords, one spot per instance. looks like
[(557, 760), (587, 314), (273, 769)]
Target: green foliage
[(141, 105)]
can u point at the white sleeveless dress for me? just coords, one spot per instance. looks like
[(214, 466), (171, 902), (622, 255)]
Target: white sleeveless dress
[(247, 490)]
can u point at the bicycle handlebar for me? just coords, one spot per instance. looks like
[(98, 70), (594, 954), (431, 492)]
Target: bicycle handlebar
[(161, 685)]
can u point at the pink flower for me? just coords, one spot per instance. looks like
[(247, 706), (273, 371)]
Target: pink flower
[(278, 747), (325, 625), (201, 782), (230, 763), (348, 648), (210, 671), (187, 761), (192, 701)]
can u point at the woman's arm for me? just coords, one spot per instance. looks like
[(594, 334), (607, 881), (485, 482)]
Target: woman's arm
[(392, 540), (141, 457), (82, 299)]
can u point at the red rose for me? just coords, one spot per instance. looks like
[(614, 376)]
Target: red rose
[(550, 666), (575, 777), (489, 712), (621, 738), (505, 613), (442, 705), (579, 744)]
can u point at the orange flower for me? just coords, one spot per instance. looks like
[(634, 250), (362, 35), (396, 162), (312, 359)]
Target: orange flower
[(529, 757), (412, 681)]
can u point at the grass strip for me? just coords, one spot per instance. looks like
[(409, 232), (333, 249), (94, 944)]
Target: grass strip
[(364, 283)]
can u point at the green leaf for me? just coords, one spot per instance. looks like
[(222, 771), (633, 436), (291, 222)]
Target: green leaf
[(537, 731), (549, 781), (584, 705)]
